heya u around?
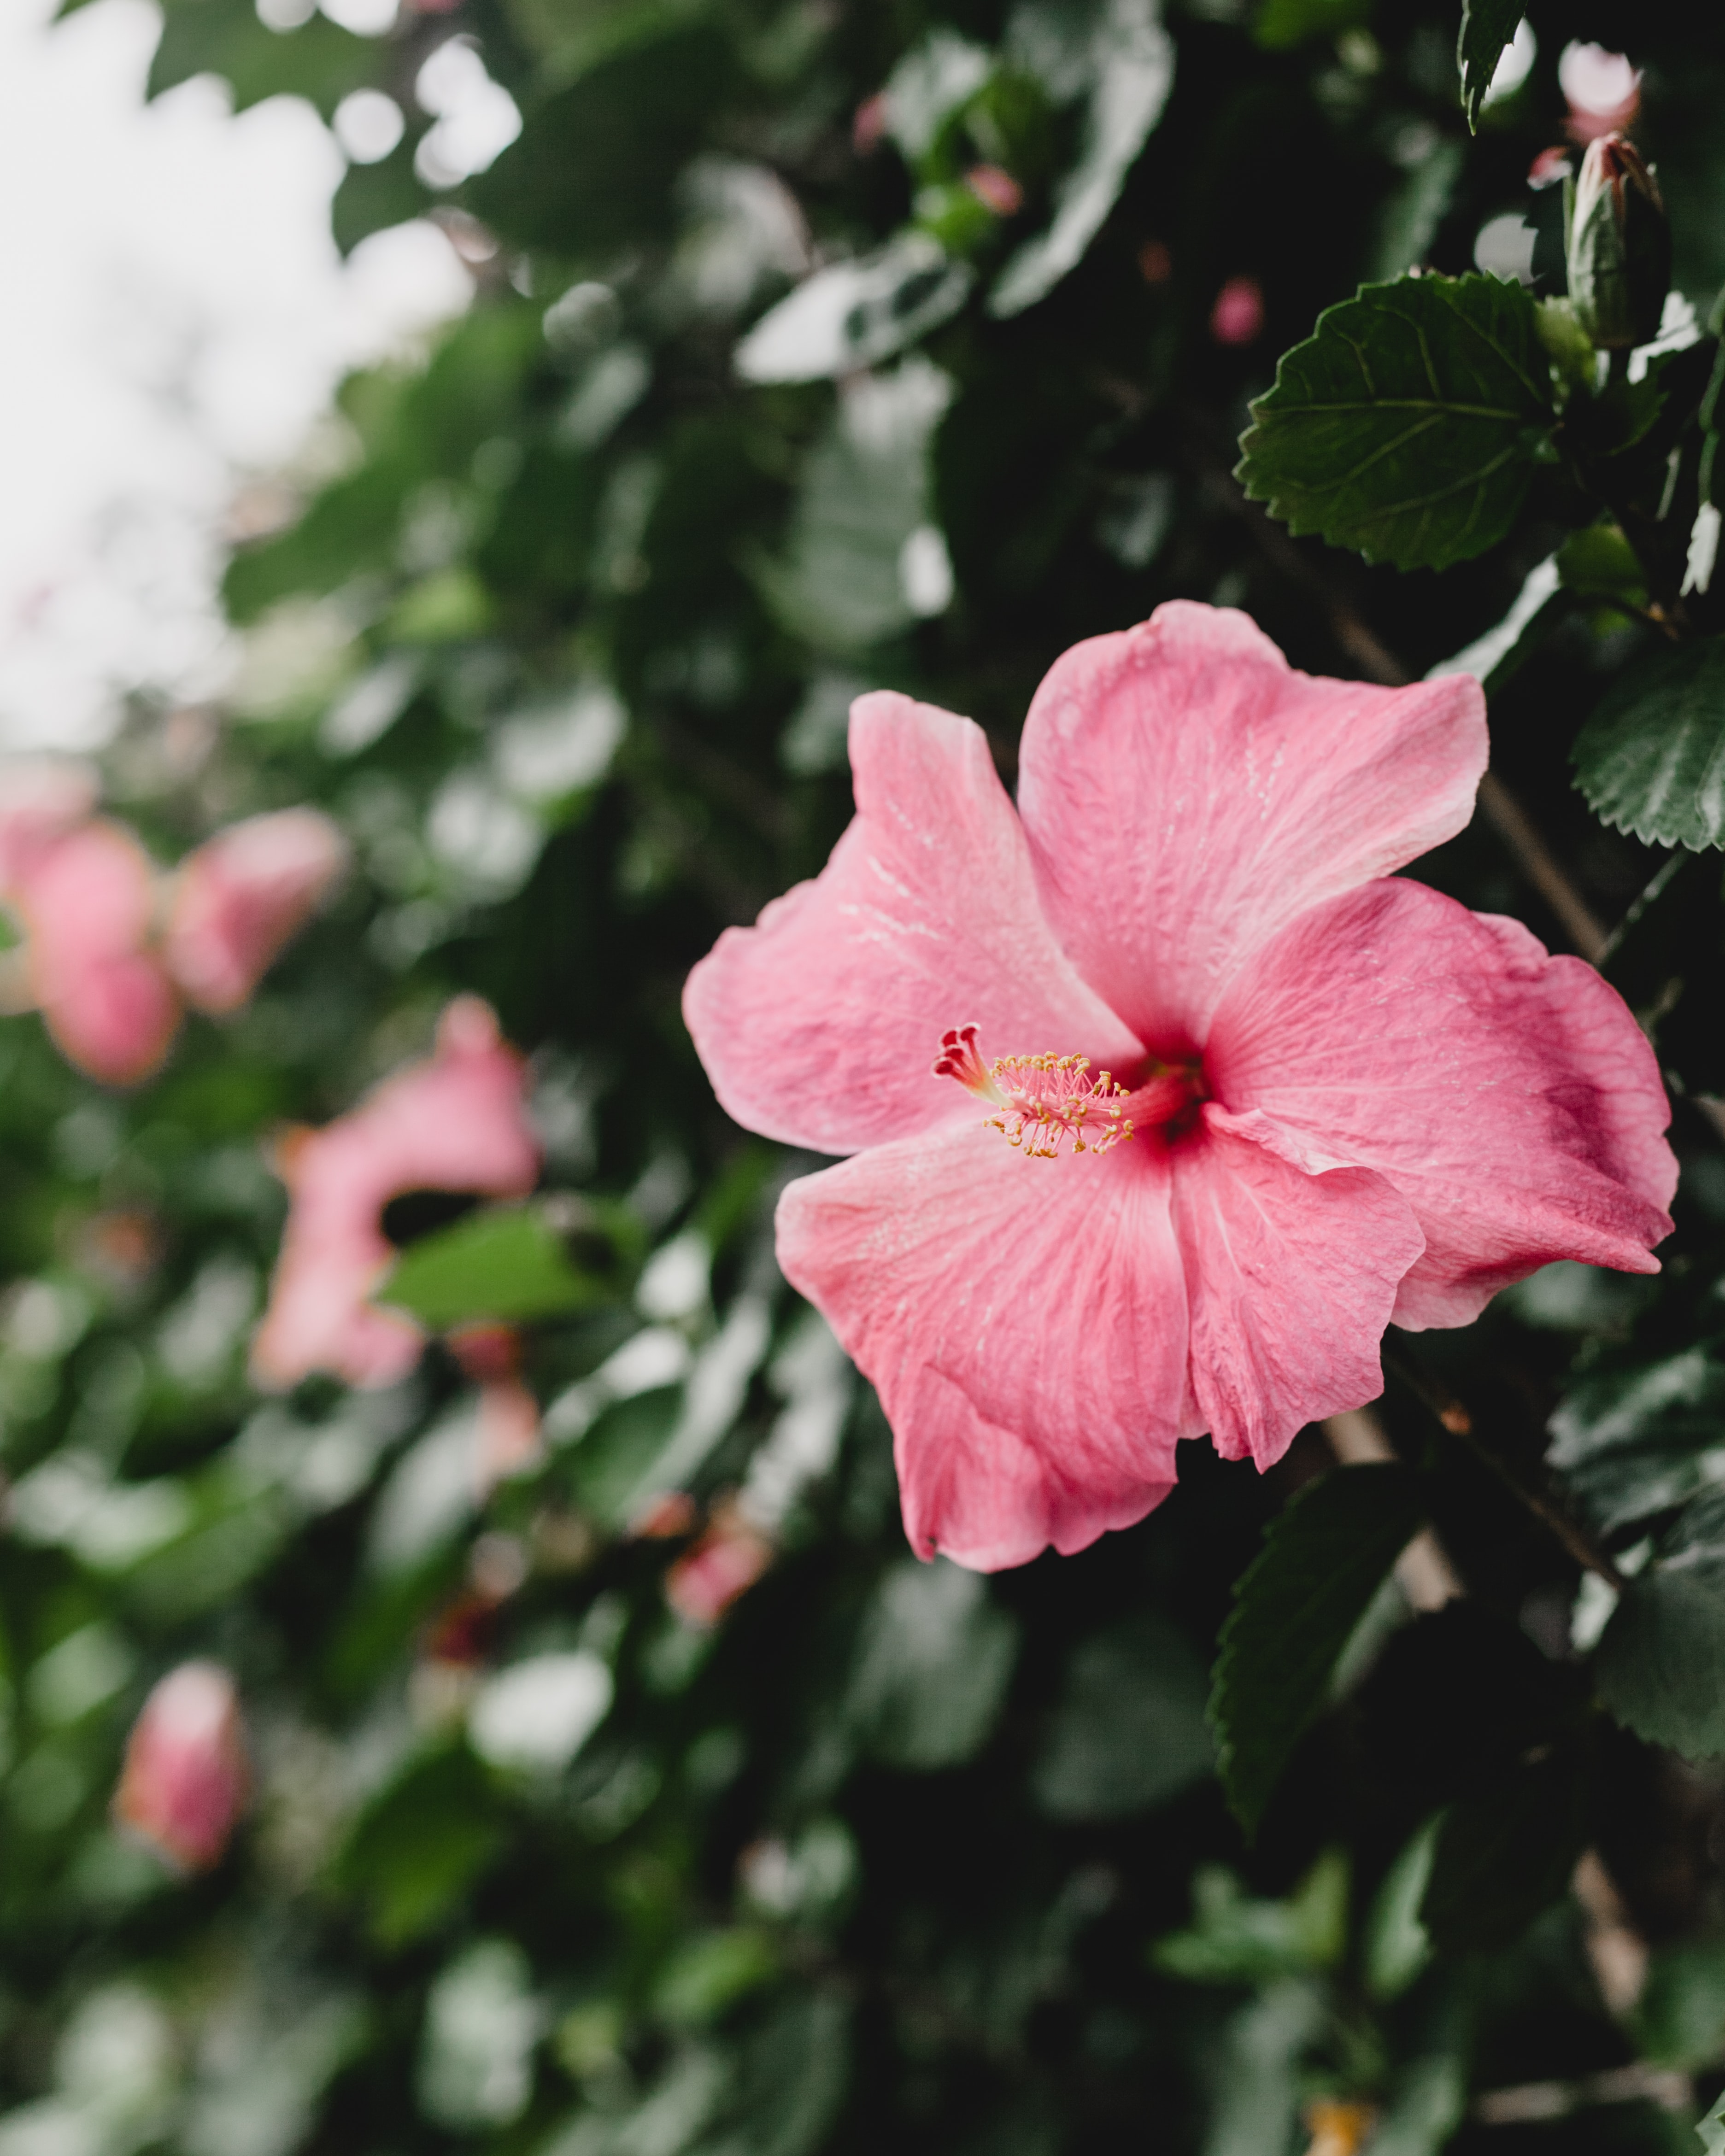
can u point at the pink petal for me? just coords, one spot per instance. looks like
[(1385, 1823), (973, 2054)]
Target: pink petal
[(1509, 1097), (86, 901), (820, 1024), (1186, 794), (1024, 1321), (238, 899), (988, 1498), (40, 800), (1290, 1277), (454, 1123)]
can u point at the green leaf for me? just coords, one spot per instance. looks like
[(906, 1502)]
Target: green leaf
[(1712, 2130), (1129, 1729), (852, 315), (864, 494), (1233, 1939), (1282, 25), (1680, 2019), (1504, 1854), (1651, 759), (1633, 1441), (1600, 563), (509, 1265), (1409, 424), (1295, 1607), (1666, 957), (1661, 1666), (932, 1665), (1488, 26), (1130, 62)]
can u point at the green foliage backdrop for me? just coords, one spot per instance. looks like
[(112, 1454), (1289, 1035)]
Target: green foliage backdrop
[(768, 393)]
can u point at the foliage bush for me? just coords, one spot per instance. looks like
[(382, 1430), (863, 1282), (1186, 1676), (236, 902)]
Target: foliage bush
[(819, 344)]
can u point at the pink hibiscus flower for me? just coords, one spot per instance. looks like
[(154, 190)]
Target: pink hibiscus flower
[(1313, 1096), (112, 951), (454, 1123)]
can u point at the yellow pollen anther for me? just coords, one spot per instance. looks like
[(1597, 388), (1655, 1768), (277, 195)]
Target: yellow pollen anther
[(1044, 1100)]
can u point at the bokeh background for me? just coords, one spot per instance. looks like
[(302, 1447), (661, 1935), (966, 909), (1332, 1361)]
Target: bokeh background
[(403, 411)]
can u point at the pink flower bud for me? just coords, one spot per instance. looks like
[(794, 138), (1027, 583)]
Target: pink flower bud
[(996, 187), (185, 1776), (721, 1567), (868, 123), (239, 897), (1238, 315), (1156, 263)]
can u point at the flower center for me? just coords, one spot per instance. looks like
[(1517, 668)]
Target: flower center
[(1048, 1101)]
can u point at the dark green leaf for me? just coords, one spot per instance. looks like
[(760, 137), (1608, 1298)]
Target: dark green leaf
[(932, 1665), (1487, 28), (1129, 1730), (1631, 1442), (509, 1265), (1504, 1854), (1233, 1939), (1283, 23), (1666, 959), (1681, 2020), (318, 61), (1661, 1667), (1295, 1607), (1408, 425), (1651, 759), (1599, 563), (421, 1844)]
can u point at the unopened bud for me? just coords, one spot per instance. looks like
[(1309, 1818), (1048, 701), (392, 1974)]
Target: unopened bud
[(185, 1774), (1619, 247)]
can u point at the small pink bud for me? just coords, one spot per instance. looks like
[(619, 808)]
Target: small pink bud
[(1238, 315), (1550, 167), (995, 186), (723, 1565), (868, 123), (185, 1777), (1156, 265), (666, 1517)]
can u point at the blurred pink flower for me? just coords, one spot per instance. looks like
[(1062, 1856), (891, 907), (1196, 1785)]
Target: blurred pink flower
[(730, 1556), (237, 899), (868, 123), (38, 800), (1238, 315), (453, 1123), (1336, 1096), (994, 186), (185, 1775), (96, 961), (86, 901), (510, 1439), (1602, 89)]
